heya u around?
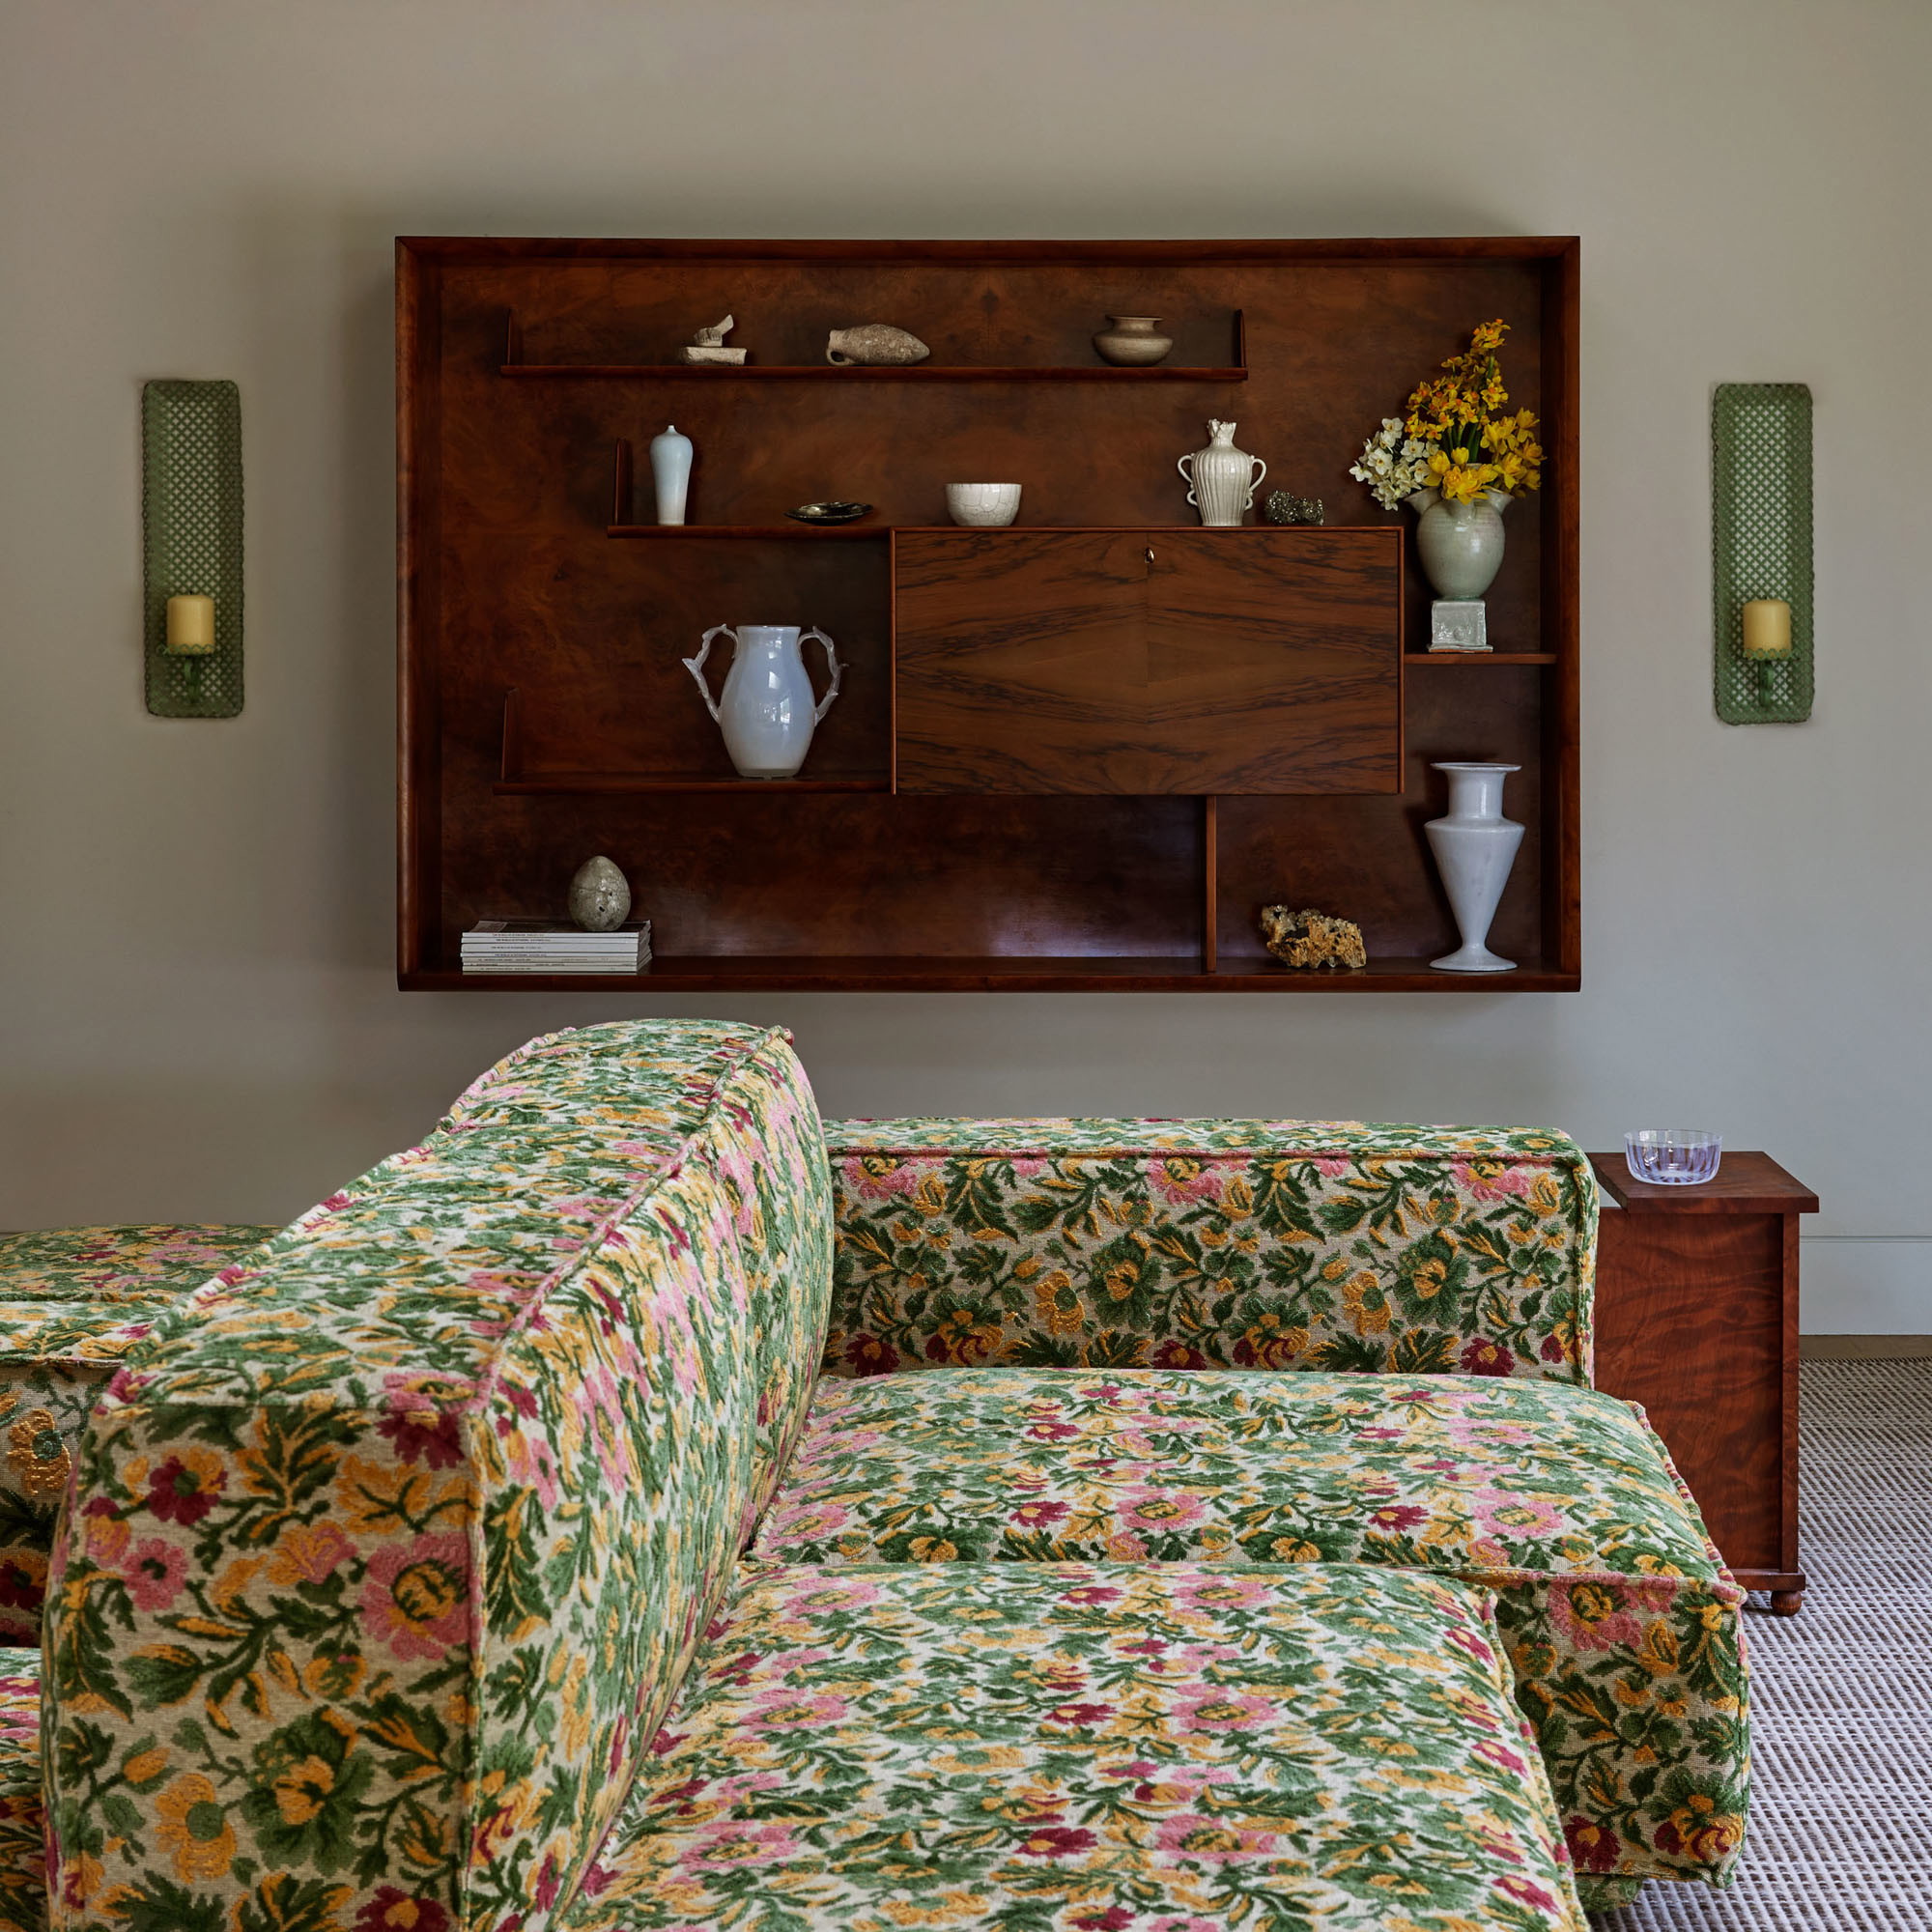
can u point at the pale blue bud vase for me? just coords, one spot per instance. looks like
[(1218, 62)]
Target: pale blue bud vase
[(1460, 545)]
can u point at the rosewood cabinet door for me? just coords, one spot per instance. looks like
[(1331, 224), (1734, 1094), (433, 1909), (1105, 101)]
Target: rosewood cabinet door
[(1274, 662), (1146, 661)]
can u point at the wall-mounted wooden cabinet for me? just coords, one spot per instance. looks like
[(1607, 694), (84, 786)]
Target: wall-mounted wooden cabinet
[(1076, 753)]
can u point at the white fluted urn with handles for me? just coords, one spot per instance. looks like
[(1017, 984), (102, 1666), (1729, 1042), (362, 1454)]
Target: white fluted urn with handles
[(767, 710), (1474, 846), (1221, 479)]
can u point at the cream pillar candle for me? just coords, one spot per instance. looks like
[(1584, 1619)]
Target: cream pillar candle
[(1767, 628), (190, 626)]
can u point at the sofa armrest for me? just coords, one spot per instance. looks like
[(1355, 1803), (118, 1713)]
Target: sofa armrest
[(1116, 1243)]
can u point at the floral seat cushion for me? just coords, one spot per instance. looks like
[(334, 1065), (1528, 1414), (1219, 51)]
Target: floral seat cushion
[(1622, 1622), (1270, 1244), (1078, 1748), (73, 1301), (23, 1864)]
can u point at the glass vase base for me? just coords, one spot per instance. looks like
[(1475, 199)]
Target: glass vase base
[(1472, 959)]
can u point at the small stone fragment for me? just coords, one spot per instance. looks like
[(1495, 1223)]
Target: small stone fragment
[(1309, 939)]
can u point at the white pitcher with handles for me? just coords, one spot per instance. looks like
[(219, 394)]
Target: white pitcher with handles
[(766, 710)]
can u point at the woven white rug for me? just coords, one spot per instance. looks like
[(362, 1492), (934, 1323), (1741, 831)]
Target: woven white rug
[(1840, 1832)]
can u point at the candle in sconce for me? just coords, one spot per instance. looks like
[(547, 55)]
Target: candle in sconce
[(1767, 628), (190, 626)]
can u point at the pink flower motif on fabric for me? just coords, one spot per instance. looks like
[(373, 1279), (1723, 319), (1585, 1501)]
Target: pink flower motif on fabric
[(1493, 1179), (1515, 1518), (417, 1597), (730, 1842), (1225, 1709)]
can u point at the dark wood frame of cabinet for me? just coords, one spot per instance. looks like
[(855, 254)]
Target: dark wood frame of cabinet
[(1697, 1320), (545, 715)]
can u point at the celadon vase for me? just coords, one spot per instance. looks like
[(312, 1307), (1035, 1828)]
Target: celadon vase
[(766, 710), (1461, 543), (1474, 846)]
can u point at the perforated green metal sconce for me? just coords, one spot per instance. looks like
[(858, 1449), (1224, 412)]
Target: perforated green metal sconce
[(191, 528), (1761, 551)]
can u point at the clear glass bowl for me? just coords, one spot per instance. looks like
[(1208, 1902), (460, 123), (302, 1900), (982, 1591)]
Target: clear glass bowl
[(1673, 1157)]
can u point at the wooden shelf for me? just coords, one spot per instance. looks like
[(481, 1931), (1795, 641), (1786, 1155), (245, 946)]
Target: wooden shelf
[(813, 372), (1413, 658), (819, 532), (762, 532), (539, 785), (673, 972)]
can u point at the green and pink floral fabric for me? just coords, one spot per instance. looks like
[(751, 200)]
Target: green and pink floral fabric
[(1090, 1748), (72, 1302), (390, 1549), (1623, 1624), (23, 1860), (1187, 1244)]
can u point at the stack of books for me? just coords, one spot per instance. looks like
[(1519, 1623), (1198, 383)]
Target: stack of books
[(533, 946)]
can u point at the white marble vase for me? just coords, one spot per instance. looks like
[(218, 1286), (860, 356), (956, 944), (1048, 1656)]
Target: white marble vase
[(766, 710), (1474, 848)]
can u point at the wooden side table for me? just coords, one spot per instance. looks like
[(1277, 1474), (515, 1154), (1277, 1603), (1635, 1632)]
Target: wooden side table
[(1697, 1320)]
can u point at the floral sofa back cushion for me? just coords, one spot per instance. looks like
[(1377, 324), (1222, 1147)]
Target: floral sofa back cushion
[(1280, 1245), (72, 1302), (387, 1550)]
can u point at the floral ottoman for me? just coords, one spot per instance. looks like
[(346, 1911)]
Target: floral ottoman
[(1090, 1748), (1621, 1621)]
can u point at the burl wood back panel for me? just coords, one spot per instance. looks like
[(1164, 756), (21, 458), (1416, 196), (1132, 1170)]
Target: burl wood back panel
[(1146, 662), (510, 585)]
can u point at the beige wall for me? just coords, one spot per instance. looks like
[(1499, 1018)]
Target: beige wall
[(197, 1011)]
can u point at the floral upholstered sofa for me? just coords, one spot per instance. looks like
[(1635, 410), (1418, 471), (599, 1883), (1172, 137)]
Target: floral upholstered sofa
[(1193, 1524)]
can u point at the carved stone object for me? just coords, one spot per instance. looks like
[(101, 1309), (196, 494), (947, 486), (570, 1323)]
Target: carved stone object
[(1133, 342), (708, 345), (600, 896), (1309, 939), (1284, 508), (874, 345)]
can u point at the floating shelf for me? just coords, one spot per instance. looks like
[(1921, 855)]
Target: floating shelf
[(537, 784), (811, 371), (687, 973), (513, 365), (819, 532), (1413, 658), (763, 532)]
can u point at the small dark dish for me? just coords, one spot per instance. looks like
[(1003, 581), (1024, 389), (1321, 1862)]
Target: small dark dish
[(830, 513)]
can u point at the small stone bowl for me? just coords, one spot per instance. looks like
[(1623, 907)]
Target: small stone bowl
[(1673, 1157), (983, 506)]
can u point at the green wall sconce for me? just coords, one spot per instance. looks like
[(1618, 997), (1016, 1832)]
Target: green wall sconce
[(191, 531), (1761, 551)]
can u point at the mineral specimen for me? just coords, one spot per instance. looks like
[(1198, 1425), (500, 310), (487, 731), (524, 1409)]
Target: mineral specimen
[(1310, 939), (1284, 508)]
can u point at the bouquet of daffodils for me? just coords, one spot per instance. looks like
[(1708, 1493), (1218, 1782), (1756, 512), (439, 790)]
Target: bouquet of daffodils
[(1394, 464), (1456, 435)]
